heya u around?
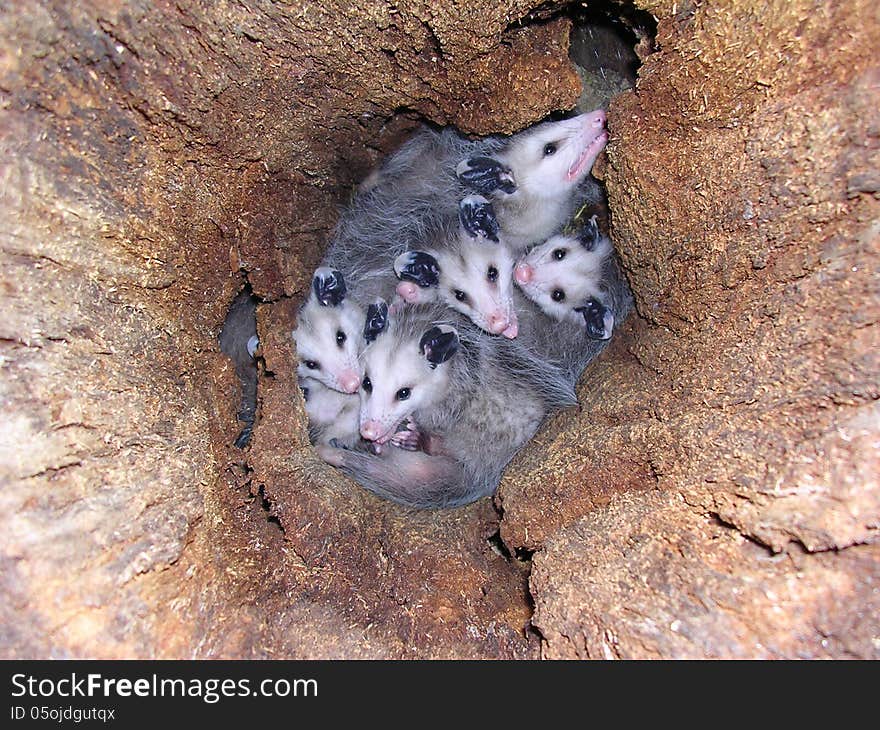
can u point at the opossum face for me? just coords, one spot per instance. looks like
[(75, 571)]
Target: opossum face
[(561, 274), (553, 157), (402, 377), (474, 277), (329, 337)]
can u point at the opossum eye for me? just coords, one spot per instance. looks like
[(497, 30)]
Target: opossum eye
[(460, 295), (492, 274), (312, 365), (340, 338), (549, 149), (558, 295), (559, 253), (367, 384), (403, 393)]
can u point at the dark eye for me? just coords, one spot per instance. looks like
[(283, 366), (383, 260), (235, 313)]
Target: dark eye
[(558, 295), (340, 338), (492, 274), (549, 149), (460, 295), (559, 253), (403, 393), (367, 384), (312, 365)]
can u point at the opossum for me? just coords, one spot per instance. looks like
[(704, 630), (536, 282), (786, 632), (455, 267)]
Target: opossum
[(238, 340), (570, 330), (563, 276), (474, 400), (538, 178), (328, 334), (471, 274)]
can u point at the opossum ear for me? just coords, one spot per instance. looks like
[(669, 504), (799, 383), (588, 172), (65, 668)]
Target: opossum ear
[(377, 320), (598, 319), (589, 234), (485, 175), (418, 267), (329, 287), (439, 344), (477, 217)]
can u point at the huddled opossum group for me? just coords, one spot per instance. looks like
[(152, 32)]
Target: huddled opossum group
[(450, 313)]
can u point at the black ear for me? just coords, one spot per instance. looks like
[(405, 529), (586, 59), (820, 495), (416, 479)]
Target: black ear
[(485, 175), (377, 320), (418, 267), (329, 287), (477, 217), (589, 235), (439, 345), (598, 319)]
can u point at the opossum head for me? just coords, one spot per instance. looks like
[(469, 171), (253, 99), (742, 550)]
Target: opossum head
[(560, 274), (405, 369), (550, 158), (474, 276), (328, 334)]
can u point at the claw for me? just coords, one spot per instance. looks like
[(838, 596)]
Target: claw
[(477, 217)]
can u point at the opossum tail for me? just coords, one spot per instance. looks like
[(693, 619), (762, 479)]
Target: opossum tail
[(414, 478)]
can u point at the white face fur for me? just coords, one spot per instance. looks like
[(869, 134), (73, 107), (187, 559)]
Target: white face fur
[(477, 280), (561, 274), (555, 156), (398, 381), (328, 344)]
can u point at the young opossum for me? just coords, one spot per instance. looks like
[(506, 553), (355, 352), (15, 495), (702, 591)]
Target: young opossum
[(238, 340), (474, 400), (328, 334), (563, 276), (537, 180), (473, 275), (576, 295)]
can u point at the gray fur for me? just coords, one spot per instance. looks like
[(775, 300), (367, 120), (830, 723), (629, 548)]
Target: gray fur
[(237, 339), (492, 405)]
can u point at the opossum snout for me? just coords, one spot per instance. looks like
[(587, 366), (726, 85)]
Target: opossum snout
[(350, 381), (523, 273), (596, 119), (371, 430), (497, 322)]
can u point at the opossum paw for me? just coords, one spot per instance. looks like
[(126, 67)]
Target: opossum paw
[(589, 235), (485, 175), (598, 319), (334, 457), (408, 438), (477, 217), (418, 267)]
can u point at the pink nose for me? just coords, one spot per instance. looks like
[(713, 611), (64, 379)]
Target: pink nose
[(595, 119), (498, 322), (371, 430), (350, 381), (408, 291), (523, 273)]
